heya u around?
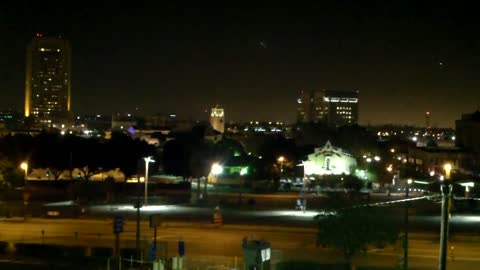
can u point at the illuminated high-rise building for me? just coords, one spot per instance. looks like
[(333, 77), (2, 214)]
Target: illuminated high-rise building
[(217, 119), (335, 108), (311, 107), (48, 81), (342, 107)]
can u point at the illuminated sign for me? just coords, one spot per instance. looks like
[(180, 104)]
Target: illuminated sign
[(341, 100)]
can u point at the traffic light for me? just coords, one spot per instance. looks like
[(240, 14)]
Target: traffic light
[(181, 248), (118, 224)]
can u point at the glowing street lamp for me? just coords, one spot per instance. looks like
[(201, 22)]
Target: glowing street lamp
[(448, 168), (24, 166), (281, 159), (216, 169), (147, 161)]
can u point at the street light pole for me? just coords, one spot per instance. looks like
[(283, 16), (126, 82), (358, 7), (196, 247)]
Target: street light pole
[(281, 159), (26, 194), (446, 189), (405, 240), (137, 206), (147, 161), (146, 182), (137, 232)]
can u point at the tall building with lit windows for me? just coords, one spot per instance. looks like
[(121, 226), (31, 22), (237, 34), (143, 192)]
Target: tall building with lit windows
[(342, 107), (335, 108), (48, 81), (217, 119), (311, 107)]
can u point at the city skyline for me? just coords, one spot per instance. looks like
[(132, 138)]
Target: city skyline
[(404, 60)]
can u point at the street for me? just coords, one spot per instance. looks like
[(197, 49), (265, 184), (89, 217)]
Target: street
[(222, 244)]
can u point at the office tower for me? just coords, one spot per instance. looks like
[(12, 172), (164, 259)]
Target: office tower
[(48, 81), (335, 108), (342, 107), (311, 107)]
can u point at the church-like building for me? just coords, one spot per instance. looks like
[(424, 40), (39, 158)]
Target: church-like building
[(329, 160)]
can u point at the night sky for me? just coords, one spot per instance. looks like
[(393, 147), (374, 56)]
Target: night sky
[(404, 59)]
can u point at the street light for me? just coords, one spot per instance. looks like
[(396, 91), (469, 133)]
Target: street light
[(24, 166), (26, 194), (147, 161), (216, 169), (405, 240), (448, 168), (446, 189), (281, 159)]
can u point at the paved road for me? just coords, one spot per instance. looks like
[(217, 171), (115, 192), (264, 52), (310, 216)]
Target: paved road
[(419, 221), (207, 241)]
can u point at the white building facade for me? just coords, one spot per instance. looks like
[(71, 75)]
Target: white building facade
[(329, 160)]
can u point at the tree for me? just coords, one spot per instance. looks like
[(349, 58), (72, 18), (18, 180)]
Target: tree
[(353, 230), (267, 149), (50, 151), (87, 155), (9, 174), (357, 140), (352, 183), (188, 155), (126, 153), (176, 156)]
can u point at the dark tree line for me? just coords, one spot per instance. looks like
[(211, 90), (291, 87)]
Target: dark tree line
[(61, 153)]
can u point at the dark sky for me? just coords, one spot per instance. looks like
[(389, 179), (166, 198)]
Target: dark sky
[(404, 59)]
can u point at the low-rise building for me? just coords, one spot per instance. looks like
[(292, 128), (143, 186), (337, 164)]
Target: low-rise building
[(329, 160), (467, 131)]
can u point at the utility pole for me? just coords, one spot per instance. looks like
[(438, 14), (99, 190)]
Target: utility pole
[(137, 235), (446, 189), (405, 240), (137, 205)]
